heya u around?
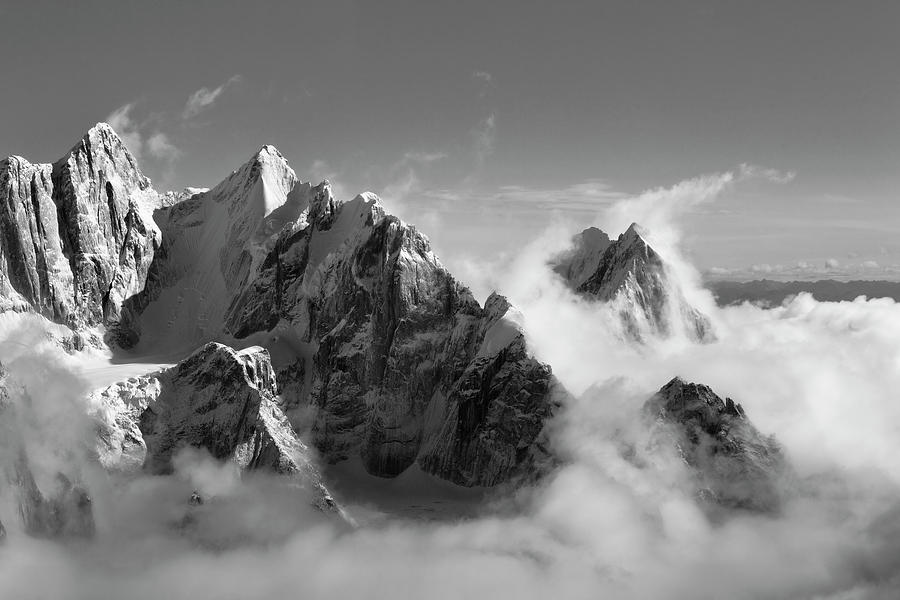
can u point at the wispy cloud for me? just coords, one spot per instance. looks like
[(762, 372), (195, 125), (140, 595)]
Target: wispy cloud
[(423, 157), (140, 136), (748, 171), (206, 97), (161, 147), (143, 138), (485, 82), (585, 196), (124, 125), (483, 76), (485, 136)]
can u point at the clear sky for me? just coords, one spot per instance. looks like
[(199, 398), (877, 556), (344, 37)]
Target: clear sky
[(482, 121)]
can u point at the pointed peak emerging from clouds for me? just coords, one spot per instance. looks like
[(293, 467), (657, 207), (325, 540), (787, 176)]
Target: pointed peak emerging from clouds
[(630, 273)]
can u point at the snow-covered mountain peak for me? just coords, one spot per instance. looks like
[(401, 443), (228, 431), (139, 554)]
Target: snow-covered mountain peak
[(269, 151), (14, 162), (102, 144), (267, 168), (633, 234), (103, 126)]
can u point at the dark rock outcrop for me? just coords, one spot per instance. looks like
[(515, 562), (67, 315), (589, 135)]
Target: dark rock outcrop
[(736, 466)]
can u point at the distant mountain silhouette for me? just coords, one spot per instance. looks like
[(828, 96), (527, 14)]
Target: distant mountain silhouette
[(769, 292)]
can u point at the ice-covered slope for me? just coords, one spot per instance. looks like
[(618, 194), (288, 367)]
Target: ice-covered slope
[(76, 237), (630, 276)]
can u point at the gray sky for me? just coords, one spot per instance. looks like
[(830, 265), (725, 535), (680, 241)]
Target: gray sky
[(482, 121)]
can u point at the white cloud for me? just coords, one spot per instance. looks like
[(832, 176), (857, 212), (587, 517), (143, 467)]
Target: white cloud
[(485, 135), (143, 138), (161, 147), (123, 124), (832, 263), (205, 97), (485, 80), (423, 157), (748, 171)]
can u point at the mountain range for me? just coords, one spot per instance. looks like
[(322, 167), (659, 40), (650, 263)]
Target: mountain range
[(313, 327), (773, 293)]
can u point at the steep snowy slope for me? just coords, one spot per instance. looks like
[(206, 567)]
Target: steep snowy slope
[(212, 241), (630, 276)]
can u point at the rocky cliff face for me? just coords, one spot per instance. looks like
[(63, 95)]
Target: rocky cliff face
[(400, 364), (217, 399), (633, 278), (76, 237), (736, 466)]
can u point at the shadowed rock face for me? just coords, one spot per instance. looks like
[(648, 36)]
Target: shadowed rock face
[(62, 507), (736, 466), (403, 365), (217, 399), (496, 409), (630, 275), (76, 237)]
